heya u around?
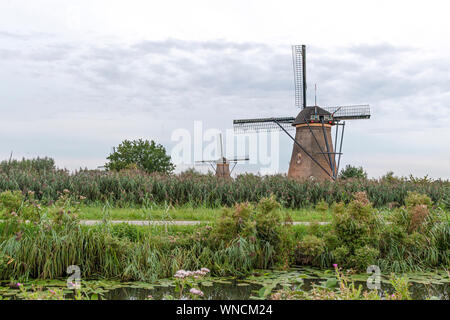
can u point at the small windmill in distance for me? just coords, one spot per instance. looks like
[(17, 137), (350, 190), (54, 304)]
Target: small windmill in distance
[(221, 166)]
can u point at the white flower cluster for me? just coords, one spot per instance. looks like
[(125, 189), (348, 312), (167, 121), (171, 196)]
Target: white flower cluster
[(181, 274)]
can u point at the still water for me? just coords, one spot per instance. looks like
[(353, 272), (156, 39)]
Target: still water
[(236, 291), (422, 286)]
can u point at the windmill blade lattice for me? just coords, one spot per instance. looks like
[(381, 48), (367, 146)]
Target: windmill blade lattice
[(262, 124), (349, 112), (299, 64)]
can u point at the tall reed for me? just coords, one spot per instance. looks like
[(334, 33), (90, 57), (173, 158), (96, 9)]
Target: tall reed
[(190, 188)]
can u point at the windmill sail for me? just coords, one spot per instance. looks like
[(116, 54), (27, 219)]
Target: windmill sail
[(262, 124), (299, 64), (222, 159), (349, 112), (220, 146)]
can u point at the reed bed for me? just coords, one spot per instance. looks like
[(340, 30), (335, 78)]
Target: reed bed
[(45, 254), (129, 188)]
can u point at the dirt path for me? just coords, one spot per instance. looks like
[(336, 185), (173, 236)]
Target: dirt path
[(173, 222)]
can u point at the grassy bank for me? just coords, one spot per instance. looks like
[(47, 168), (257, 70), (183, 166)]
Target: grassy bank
[(168, 213), (98, 212), (246, 237)]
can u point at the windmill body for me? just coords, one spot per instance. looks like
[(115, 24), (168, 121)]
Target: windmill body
[(313, 154), (301, 166), (223, 168)]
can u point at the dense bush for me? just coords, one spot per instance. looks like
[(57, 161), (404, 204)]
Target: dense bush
[(414, 237), (133, 187), (11, 201), (357, 231), (417, 237), (263, 225), (309, 249), (352, 172)]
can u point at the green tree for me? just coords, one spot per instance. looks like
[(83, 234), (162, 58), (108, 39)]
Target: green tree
[(352, 172), (391, 178), (145, 155)]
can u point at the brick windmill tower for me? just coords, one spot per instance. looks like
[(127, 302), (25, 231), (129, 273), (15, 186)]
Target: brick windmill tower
[(313, 153)]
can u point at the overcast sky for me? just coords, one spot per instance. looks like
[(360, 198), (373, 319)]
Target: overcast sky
[(78, 77)]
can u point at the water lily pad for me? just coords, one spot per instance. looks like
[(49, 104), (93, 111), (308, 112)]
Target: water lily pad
[(331, 283), (165, 284), (207, 283), (222, 281)]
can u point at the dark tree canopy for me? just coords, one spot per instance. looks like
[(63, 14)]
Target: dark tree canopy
[(145, 155), (353, 172)]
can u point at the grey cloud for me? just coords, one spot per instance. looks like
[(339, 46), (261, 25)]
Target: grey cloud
[(22, 36), (377, 51), (216, 45), (217, 81), (51, 53), (248, 70), (8, 54)]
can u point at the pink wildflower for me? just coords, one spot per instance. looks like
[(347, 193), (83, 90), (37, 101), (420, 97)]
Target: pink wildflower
[(196, 292)]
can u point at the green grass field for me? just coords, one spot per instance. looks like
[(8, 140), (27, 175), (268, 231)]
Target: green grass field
[(99, 212), (182, 213)]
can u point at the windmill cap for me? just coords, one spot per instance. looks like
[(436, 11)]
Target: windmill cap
[(307, 112)]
